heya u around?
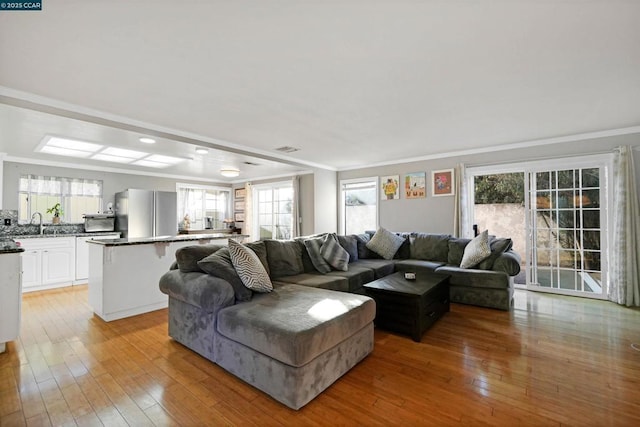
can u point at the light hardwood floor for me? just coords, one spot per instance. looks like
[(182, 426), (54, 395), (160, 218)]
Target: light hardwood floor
[(551, 361)]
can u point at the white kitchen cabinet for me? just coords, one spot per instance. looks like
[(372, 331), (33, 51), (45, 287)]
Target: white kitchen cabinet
[(47, 262), (10, 300), (82, 255)]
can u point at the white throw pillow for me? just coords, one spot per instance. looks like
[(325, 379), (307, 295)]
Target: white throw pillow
[(385, 243), (249, 268), (476, 251)]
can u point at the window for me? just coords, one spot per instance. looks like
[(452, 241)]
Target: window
[(359, 205), (76, 197), (272, 206), (200, 202)]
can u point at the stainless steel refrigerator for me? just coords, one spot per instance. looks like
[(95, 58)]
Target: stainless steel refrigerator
[(145, 213)]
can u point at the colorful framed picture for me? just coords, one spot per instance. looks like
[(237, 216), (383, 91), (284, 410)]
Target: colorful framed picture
[(415, 185), (390, 187), (443, 182), (240, 192), (238, 217)]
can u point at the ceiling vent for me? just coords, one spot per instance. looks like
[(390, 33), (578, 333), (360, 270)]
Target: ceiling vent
[(287, 149), (251, 163)]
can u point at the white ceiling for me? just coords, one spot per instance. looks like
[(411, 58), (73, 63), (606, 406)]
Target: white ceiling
[(350, 83)]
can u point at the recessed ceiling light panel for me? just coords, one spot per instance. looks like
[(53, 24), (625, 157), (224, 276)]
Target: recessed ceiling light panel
[(72, 144), (64, 152), (108, 158), (201, 150), (164, 159), (150, 164), (121, 152), (147, 140)]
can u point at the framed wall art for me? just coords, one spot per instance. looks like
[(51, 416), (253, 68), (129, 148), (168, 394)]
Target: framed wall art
[(443, 182), (389, 187), (240, 192), (238, 217), (415, 185)]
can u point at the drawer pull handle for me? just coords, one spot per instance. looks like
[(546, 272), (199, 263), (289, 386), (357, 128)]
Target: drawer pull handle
[(433, 313)]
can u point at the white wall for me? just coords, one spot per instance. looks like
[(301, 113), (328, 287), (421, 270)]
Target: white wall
[(326, 201)]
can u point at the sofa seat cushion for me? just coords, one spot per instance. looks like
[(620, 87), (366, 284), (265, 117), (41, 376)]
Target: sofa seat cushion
[(475, 278), (414, 265), (316, 280), (295, 324), (380, 267), (356, 275)]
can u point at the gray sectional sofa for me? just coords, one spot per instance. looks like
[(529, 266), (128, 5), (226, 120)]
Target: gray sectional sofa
[(295, 341)]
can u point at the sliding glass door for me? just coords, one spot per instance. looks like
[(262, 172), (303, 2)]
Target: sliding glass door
[(556, 213), (569, 229)]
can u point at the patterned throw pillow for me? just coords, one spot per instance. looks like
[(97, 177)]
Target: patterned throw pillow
[(334, 254), (385, 243), (249, 268), (313, 249), (476, 251)]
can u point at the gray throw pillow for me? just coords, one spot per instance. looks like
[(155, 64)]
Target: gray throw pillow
[(187, 258), (334, 254), (249, 268), (350, 244), (477, 250), (430, 247), (385, 243), (219, 264), (313, 249), (363, 251), (498, 247)]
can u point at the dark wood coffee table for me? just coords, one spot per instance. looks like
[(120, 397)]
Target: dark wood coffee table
[(409, 306)]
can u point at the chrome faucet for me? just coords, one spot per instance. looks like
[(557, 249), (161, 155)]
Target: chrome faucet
[(41, 226)]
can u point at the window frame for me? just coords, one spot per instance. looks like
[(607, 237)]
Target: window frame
[(203, 187), (65, 199), (255, 226), (341, 208)]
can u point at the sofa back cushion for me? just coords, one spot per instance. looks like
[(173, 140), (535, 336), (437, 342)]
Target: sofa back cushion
[(187, 258), (284, 257), (456, 250), (219, 264), (430, 247), (404, 251)]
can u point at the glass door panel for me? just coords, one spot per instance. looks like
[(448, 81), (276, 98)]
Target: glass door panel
[(566, 233)]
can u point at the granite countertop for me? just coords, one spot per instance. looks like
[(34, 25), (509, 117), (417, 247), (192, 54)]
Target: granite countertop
[(166, 239), (48, 235), (10, 250)]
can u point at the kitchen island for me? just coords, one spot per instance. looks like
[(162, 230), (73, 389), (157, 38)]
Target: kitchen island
[(124, 273)]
